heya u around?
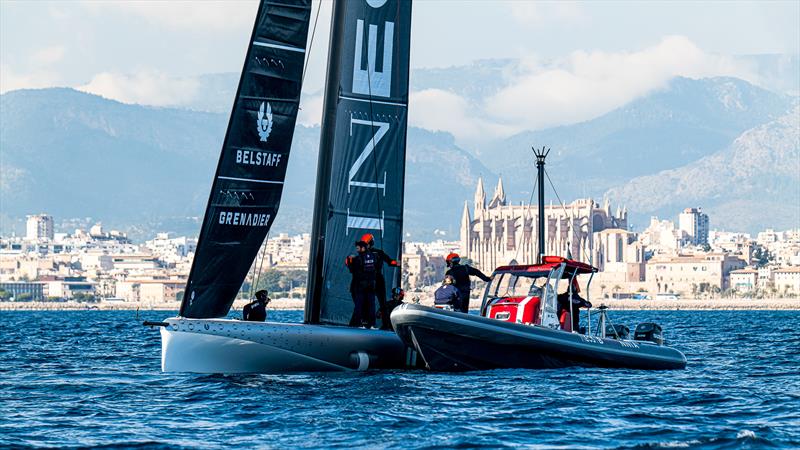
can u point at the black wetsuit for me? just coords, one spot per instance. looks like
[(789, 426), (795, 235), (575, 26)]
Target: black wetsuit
[(461, 274), (578, 302), (254, 311), (380, 286), (363, 267)]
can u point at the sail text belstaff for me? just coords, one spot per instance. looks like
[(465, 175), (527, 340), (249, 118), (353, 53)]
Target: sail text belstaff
[(246, 219), (257, 158)]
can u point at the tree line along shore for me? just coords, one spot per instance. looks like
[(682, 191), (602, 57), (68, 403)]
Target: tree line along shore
[(298, 304)]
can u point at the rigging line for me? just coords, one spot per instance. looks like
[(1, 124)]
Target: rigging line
[(311, 43), (263, 254), (253, 278), (563, 207)]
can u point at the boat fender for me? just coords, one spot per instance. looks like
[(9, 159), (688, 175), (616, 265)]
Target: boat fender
[(360, 360)]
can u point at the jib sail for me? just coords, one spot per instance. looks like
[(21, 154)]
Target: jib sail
[(362, 149), (247, 186)]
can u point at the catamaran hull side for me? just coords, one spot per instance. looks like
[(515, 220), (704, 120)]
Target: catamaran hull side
[(449, 341), (233, 346)]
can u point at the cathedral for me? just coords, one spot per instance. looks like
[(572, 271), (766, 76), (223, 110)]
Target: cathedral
[(497, 233)]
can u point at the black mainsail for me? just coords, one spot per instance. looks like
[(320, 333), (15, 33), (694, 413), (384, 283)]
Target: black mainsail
[(248, 183), (361, 169)]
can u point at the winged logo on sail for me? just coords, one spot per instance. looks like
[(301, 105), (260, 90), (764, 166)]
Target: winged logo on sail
[(264, 122)]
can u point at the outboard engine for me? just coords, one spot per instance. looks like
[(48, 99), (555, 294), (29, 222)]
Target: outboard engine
[(649, 331), (612, 331)]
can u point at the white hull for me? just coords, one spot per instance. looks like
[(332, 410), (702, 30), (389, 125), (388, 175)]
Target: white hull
[(234, 346)]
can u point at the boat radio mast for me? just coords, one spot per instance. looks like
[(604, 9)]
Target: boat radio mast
[(540, 154)]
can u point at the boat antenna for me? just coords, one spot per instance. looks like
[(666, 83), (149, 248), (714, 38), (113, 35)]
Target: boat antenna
[(540, 154)]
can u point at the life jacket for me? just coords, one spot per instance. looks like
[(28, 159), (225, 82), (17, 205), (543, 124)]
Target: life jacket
[(369, 263), (366, 273)]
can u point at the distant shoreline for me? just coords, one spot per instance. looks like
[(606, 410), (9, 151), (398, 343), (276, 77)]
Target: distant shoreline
[(286, 304)]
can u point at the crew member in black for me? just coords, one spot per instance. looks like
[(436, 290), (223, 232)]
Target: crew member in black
[(397, 300), (461, 273), (578, 302), (256, 311), (380, 281), (363, 267)]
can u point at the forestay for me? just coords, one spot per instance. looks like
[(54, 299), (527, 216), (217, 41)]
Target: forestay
[(248, 183), (364, 131)]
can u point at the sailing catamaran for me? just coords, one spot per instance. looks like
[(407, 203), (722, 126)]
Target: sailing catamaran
[(360, 181)]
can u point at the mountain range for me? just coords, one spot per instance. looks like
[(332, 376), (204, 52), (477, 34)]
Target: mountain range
[(73, 154), (77, 155)]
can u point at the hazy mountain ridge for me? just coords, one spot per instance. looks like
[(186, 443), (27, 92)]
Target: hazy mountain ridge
[(75, 155), (144, 169), (682, 123), (753, 182)]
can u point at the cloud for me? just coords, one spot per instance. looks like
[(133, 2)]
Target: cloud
[(39, 73), (310, 113), (48, 55), (147, 88), (184, 14), (11, 80), (588, 84), (530, 12), (439, 110)]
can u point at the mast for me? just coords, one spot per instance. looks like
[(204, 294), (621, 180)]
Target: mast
[(322, 194), (540, 154)]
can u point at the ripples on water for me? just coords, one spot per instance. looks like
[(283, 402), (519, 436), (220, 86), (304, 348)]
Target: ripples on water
[(73, 379)]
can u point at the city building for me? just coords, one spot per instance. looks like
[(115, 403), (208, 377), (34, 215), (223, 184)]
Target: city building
[(289, 252), (661, 237), (39, 226), (694, 223), (691, 274), (787, 280), (422, 270), (497, 232), (744, 280), (619, 257)]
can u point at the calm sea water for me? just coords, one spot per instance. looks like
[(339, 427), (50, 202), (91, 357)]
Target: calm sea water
[(92, 379)]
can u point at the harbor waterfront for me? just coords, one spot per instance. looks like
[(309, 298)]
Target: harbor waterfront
[(92, 379), (292, 304)]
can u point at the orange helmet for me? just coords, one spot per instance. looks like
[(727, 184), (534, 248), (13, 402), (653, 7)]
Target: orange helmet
[(368, 238), (453, 258)]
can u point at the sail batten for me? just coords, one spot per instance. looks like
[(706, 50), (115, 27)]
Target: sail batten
[(362, 150), (248, 183)]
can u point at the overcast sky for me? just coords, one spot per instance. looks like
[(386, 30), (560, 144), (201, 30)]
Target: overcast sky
[(135, 51)]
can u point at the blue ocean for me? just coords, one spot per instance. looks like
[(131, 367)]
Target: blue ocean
[(88, 379)]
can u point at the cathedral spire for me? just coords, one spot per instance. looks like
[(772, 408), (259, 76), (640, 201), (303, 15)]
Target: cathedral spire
[(499, 198), (466, 220), (480, 196)]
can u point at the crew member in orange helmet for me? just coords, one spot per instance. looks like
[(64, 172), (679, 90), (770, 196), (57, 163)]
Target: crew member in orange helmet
[(461, 273), (571, 317), (380, 281)]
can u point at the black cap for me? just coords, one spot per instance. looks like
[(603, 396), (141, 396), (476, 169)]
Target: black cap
[(262, 295)]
